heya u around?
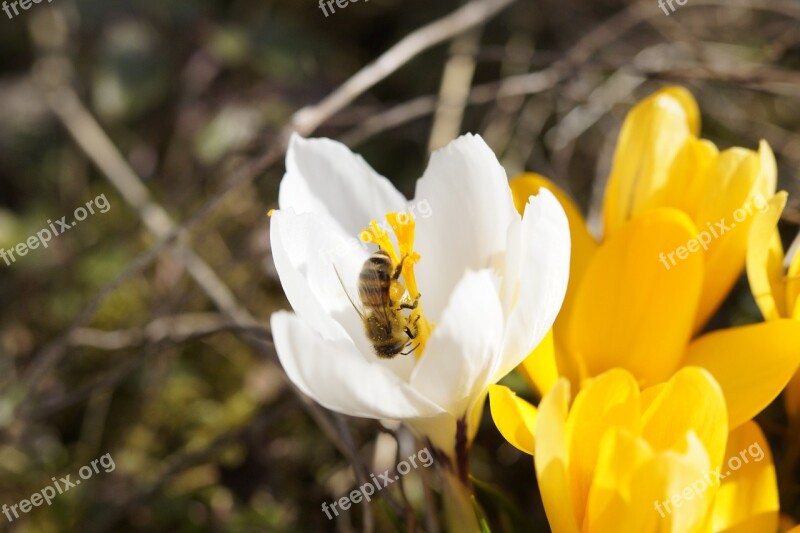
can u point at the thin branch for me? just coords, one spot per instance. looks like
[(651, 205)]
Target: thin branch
[(454, 90), (175, 329), (512, 86), (463, 19)]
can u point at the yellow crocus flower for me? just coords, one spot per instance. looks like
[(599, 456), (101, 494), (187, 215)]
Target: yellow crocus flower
[(660, 459), (776, 289), (677, 214)]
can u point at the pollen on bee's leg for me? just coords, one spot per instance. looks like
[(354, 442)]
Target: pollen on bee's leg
[(397, 291)]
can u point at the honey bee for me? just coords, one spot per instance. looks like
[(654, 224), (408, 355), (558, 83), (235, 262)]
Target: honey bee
[(387, 328)]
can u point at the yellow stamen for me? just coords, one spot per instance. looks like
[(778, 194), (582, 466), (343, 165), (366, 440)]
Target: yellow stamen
[(380, 236), (403, 227)]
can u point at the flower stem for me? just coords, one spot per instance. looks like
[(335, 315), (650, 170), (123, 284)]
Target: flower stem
[(462, 454)]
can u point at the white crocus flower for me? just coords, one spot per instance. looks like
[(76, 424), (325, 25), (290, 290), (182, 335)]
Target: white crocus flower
[(489, 282)]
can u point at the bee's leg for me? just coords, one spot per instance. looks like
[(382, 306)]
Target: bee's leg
[(408, 330), (397, 271), (411, 305), (399, 268), (410, 351)]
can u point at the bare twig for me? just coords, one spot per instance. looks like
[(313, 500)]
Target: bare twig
[(175, 329), (454, 90), (512, 86), (465, 18), (358, 467)]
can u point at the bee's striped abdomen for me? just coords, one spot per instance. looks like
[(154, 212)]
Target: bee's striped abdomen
[(374, 280)]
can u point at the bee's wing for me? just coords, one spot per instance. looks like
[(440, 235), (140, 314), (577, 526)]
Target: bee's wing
[(358, 310)]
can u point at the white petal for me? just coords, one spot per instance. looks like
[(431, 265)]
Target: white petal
[(511, 267), (307, 253), (457, 362), (339, 378), (324, 176), (538, 256), (470, 210)]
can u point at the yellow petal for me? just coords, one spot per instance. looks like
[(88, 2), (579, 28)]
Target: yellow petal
[(540, 369), (551, 460), (583, 244), (688, 177), (652, 135), (690, 401), (765, 260), (689, 105), (608, 401), (747, 501), (634, 308), (609, 506), (514, 417), (741, 183), (686, 501), (751, 363), (637, 490), (767, 181)]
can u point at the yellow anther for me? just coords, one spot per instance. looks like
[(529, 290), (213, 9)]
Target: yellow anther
[(381, 237), (270, 212), (403, 226)]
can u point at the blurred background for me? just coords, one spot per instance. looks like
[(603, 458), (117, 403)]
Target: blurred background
[(143, 331)]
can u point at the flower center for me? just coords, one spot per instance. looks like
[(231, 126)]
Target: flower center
[(402, 291)]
